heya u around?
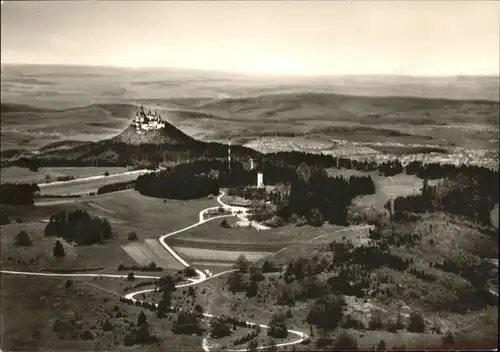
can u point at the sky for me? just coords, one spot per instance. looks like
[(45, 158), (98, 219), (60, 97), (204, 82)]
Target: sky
[(420, 38)]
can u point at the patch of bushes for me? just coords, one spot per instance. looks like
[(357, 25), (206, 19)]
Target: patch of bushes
[(219, 328), (269, 267), (62, 178), (247, 337), (132, 236), (345, 342), (115, 187), (187, 323), (150, 267), (327, 312), (277, 327)]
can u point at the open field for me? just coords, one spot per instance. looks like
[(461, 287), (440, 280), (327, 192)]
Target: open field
[(23, 175), (218, 255), (85, 186), (151, 250), (212, 236), (400, 185), (127, 211)]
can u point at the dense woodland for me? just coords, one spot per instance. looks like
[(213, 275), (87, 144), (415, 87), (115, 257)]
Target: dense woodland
[(175, 184), (78, 226), (18, 193), (471, 196)]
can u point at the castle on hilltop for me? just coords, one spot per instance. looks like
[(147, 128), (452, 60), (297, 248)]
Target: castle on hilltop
[(147, 121)]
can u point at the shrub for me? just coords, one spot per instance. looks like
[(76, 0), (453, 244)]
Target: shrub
[(4, 217), (416, 323), (129, 340), (375, 322), (87, 335), (58, 249), (381, 346), (132, 236), (277, 327), (315, 218), (198, 310), (130, 277), (448, 339), (224, 224), (327, 312), (345, 342), (219, 328), (106, 174), (269, 267), (23, 239), (252, 346), (187, 323), (242, 264), (107, 326), (189, 271)]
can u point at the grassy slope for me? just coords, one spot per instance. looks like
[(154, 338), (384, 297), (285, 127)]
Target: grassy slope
[(18, 174), (27, 318), (419, 295), (127, 211)]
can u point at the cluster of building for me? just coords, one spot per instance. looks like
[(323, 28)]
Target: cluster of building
[(148, 121)]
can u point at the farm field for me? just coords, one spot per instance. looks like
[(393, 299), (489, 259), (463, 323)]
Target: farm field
[(83, 187), (149, 251), (23, 175)]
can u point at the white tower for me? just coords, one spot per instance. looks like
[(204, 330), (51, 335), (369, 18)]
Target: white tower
[(260, 180)]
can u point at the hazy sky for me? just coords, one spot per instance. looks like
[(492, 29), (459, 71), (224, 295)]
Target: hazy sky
[(285, 37)]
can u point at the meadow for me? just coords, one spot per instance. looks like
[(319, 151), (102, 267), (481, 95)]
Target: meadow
[(23, 175)]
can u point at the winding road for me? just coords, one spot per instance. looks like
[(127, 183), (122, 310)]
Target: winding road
[(202, 276)]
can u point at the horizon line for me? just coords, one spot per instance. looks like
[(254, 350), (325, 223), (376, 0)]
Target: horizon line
[(259, 74)]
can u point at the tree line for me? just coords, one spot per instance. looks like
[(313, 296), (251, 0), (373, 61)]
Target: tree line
[(18, 193)]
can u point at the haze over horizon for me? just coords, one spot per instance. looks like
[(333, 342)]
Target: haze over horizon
[(448, 38)]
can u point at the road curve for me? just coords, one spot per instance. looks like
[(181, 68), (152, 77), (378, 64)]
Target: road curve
[(201, 275)]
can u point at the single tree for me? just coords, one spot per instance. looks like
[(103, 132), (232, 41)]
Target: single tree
[(23, 239), (345, 342), (142, 319), (58, 249), (132, 236), (416, 323), (242, 264), (252, 289)]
